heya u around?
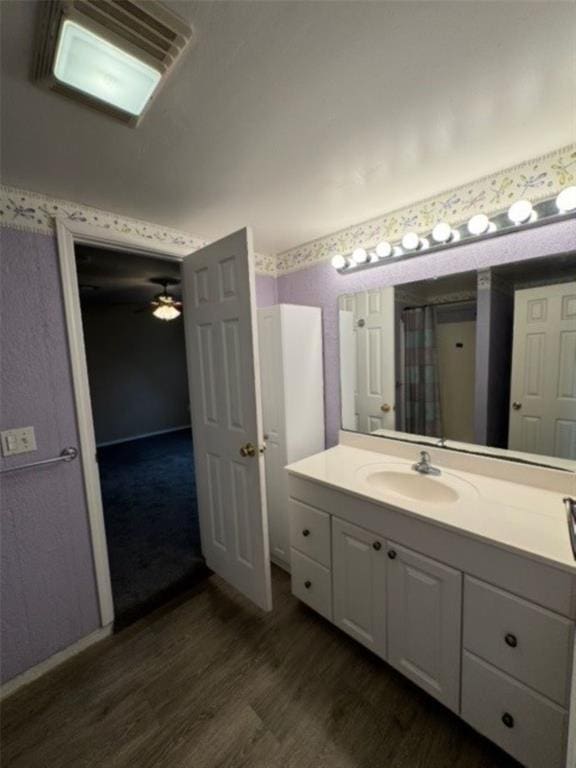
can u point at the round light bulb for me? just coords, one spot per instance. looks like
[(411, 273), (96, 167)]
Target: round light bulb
[(520, 211), (359, 256), (338, 261), (479, 224), (442, 232), (384, 250), (410, 241), (566, 200)]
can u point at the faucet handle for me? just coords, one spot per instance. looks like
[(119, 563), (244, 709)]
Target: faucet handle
[(424, 455)]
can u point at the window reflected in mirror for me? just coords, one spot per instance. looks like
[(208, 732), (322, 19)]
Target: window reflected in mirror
[(482, 361)]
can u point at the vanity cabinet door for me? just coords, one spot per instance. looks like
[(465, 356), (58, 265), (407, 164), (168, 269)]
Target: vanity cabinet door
[(424, 622), (359, 584)]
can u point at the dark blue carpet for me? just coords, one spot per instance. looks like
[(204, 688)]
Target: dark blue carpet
[(151, 515)]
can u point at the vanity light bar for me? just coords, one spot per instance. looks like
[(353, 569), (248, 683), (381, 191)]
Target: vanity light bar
[(521, 215)]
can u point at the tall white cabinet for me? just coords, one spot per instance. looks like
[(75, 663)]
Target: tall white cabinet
[(292, 383)]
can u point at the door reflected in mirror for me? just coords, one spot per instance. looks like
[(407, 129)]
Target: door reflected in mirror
[(482, 361)]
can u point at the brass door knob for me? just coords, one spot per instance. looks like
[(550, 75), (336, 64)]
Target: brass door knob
[(385, 408), (516, 405), (248, 450)]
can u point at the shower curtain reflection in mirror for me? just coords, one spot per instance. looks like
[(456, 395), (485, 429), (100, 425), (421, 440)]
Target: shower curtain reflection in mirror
[(422, 414)]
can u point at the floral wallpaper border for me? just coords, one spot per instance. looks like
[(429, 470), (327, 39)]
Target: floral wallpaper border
[(534, 180), (34, 212)]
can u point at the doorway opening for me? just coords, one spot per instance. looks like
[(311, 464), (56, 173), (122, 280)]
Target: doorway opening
[(138, 382)]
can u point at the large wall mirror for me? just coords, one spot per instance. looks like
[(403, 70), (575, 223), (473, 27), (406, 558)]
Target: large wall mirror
[(479, 361)]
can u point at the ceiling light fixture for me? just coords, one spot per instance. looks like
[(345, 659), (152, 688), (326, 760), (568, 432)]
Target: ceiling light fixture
[(111, 56), (167, 308), (566, 200)]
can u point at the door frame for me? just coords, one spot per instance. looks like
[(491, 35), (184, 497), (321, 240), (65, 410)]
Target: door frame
[(68, 235)]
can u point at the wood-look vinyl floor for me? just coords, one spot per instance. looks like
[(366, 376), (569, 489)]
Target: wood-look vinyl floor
[(210, 681)]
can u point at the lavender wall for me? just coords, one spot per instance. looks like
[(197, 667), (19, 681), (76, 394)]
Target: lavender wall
[(47, 585), (266, 291), (321, 285)]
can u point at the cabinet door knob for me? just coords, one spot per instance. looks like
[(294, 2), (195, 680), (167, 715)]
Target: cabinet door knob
[(508, 720), (391, 554), (511, 640), (307, 584), (377, 546), (516, 405), (305, 532)]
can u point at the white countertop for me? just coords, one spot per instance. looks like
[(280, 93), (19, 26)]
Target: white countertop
[(521, 518)]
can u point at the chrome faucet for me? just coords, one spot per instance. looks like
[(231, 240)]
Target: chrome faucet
[(424, 467)]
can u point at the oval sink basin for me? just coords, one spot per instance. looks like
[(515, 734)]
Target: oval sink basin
[(420, 487), (402, 480)]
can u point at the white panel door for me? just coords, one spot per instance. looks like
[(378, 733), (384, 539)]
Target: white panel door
[(359, 579), (543, 386), (223, 373), (424, 622), (374, 315)]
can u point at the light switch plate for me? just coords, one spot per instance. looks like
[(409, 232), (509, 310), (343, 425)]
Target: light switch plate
[(20, 440)]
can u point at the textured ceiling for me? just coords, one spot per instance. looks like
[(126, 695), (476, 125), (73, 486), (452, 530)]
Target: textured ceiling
[(300, 118)]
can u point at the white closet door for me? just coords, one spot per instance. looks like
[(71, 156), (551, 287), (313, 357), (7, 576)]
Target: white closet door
[(223, 373), (543, 388)]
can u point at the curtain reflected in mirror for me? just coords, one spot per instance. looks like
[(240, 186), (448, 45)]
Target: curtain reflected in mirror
[(421, 374), (478, 360)]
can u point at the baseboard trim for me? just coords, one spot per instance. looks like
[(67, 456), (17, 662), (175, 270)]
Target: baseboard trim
[(40, 669), (141, 437)]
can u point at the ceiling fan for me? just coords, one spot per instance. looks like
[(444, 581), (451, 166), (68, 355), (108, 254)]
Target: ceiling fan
[(164, 305)]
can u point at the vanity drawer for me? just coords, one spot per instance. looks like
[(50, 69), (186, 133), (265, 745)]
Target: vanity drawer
[(310, 531), (312, 583), (525, 724), (524, 640)]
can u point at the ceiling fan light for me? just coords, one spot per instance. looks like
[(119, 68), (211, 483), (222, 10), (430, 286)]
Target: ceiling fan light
[(166, 312)]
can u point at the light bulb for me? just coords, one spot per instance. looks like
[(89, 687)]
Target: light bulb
[(479, 224), (520, 212), (410, 241), (359, 256), (384, 250), (338, 261), (442, 232), (566, 200)]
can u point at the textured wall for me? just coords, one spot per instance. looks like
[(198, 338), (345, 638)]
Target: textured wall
[(47, 582), (321, 285), (137, 372), (266, 291)]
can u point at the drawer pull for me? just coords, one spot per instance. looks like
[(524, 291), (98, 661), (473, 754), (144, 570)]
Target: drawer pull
[(511, 640), (377, 546), (307, 584), (508, 720), (305, 532), (391, 554)]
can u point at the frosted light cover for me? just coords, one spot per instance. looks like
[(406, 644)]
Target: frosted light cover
[(94, 66)]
